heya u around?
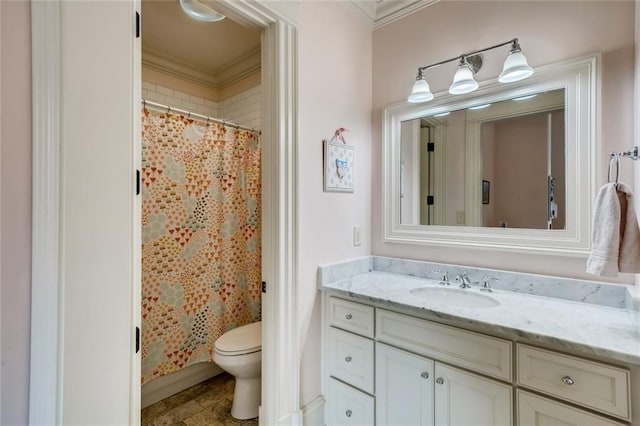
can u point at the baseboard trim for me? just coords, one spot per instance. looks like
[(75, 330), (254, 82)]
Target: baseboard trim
[(313, 413), (165, 386)]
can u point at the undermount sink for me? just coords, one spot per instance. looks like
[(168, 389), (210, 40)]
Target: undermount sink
[(454, 297)]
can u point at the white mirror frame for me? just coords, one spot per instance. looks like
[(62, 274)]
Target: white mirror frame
[(580, 78)]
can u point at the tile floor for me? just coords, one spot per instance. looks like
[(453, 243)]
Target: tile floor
[(205, 404)]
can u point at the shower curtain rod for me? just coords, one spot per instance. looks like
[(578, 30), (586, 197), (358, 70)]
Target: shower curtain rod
[(195, 116)]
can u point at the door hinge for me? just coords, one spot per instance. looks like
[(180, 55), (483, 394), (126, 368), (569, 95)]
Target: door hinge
[(430, 200), (264, 286), (137, 25), (431, 147), (137, 339), (137, 182)]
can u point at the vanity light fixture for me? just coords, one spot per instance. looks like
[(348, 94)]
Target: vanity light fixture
[(200, 11), (442, 114), (515, 68)]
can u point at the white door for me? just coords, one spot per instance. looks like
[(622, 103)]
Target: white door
[(98, 223), (404, 384), (465, 399)]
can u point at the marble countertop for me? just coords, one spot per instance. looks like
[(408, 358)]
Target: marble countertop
[(577, 327)]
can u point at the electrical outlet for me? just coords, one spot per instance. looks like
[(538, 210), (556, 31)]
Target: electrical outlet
[(357, 236)]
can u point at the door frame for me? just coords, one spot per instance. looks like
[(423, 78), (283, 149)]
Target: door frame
[(280, 382)]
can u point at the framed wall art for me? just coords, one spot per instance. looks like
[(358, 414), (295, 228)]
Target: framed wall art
[(339, 163)]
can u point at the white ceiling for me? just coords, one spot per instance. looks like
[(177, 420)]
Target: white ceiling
[(215, 54)]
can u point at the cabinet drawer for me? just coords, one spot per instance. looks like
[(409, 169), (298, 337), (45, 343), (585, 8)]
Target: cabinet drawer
[(351, 316), (477, 352), (348, 406), (534, 410), (351, 359), (598, 386)]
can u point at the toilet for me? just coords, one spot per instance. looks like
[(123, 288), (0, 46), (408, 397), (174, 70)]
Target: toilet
[(239, 353)]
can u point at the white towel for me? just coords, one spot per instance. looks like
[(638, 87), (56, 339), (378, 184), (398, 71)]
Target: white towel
[(616, 236)]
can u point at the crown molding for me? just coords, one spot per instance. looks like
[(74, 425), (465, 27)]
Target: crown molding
[(380, 13), (239, 69)]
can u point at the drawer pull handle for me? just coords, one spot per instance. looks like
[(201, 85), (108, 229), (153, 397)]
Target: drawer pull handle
[(348, 413), (348, 358), (567, 380), (424, 375), (348, 316), (439, 380)]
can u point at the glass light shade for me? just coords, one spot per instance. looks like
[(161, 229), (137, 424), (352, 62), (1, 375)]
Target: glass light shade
[(420, 92), (515, 68), (463, 81), (200, 11)]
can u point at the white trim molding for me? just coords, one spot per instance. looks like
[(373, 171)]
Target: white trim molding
[(380, 13), (280, 346), (313, 412), (45, 388)]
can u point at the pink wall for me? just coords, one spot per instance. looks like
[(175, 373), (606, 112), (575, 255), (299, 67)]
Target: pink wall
[(335, 91), (548, 32), (15, 209)]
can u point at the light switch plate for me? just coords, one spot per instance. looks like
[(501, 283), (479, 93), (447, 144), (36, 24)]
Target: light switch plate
[(357, 236)]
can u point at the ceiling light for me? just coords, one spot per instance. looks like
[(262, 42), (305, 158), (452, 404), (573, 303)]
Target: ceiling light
[(420, 91), (515, 68), (200, 11)]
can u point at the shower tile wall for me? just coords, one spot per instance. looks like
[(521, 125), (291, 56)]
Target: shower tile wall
[(167, 96), (243, 108)]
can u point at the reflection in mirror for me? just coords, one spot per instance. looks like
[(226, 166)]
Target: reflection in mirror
[(489, 165)]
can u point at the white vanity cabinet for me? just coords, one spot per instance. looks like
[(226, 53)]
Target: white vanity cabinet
[(389, 368), (414, 390)]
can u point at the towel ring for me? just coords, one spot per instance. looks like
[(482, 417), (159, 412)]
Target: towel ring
[(614, 157)]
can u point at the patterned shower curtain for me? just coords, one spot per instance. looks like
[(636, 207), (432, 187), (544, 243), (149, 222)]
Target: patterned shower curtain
[(201, 235)]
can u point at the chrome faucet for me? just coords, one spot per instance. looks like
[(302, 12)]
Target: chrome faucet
[(485, 284), (464, 280), (444, 280)]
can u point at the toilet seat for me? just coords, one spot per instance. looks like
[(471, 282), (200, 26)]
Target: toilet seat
[(240, 341)]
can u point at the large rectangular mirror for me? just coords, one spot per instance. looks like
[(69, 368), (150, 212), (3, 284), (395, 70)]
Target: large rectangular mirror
[(522, 152), (497, 167)]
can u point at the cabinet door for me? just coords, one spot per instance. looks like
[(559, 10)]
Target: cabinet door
[(404, 384), (465, 399), (534, 410)]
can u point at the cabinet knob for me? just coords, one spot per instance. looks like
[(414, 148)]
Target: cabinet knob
[(424, 375), (439, 380), (348, 358), (348, 316), (567, 380), (348, 413)]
